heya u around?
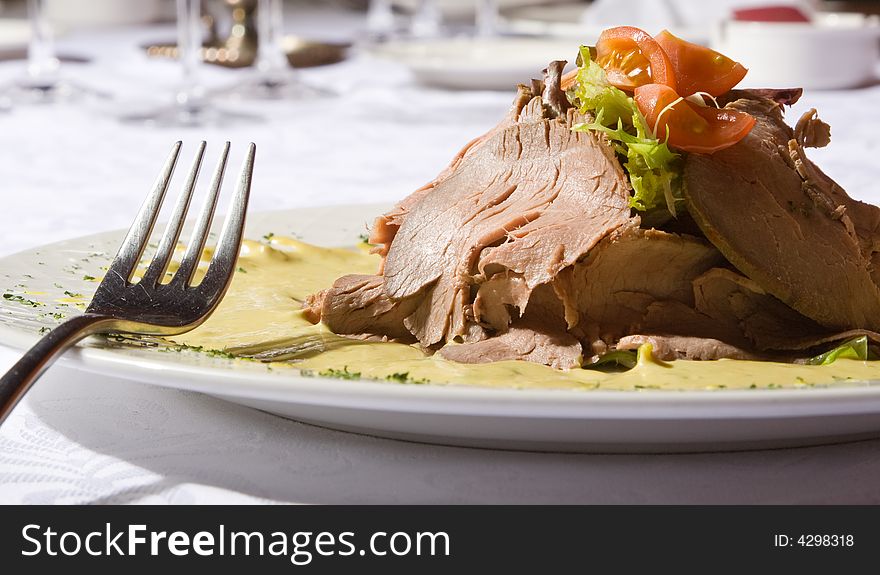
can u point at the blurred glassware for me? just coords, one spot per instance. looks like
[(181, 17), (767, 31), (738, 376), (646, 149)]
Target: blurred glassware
[(237, 50), (273, 77), (191, 106), (43, 82), (487, 18), (381, 24), (427, 20)]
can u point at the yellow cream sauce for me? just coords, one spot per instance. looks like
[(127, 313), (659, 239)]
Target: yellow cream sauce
[(261, 317)]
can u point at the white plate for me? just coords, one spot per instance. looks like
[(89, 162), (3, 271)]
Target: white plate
[(477, 64), (567, 21), (461, 10), (647, 420)]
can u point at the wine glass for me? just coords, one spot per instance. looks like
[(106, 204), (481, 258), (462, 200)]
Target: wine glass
[(43, 82), (487, 18), (272, 77), (427, 21), (380, 20), (191, 105)]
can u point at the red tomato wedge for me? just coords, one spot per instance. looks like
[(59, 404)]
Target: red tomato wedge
[(632, 58), (699, 69), (689, 127)]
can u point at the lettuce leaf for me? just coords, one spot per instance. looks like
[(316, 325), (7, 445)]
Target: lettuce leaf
[(620, 359), (856, 348), (654, 170)]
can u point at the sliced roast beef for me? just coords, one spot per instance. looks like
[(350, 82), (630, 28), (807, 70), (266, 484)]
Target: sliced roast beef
[(785, 225), (527, 201), (671, 347), (732, 299), (385, 226), (525, 248), (358, 305), (610, 291), (525, 341)]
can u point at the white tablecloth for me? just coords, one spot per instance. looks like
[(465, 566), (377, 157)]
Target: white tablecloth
[(72, 170)]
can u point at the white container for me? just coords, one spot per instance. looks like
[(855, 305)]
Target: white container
[(833, 51)]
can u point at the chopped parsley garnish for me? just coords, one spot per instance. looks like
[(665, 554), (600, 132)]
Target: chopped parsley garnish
[(55, 315), (340, 373), (405, 378), (22, 300), (200, 349)]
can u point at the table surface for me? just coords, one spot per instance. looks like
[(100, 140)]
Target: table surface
[(73, 170)]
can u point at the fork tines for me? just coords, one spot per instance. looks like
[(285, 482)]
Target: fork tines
[(223, 262)]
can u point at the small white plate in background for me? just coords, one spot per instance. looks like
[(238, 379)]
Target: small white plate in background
[(477, 64), (460, 10), (571, 20)]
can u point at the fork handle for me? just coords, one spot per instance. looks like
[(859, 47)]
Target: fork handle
[(19, 379)]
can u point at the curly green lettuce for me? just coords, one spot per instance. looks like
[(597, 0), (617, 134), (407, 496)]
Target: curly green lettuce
[(654, 170)]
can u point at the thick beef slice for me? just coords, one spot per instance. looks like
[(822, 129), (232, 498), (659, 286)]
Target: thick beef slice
[(610, 292), (785, 226), (526, 341), (357, 304), (738, 302), (385, 226), (530, 199)]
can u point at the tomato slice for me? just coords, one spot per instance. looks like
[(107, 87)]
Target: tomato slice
[(688, 127), (632, 58), (699, 69)]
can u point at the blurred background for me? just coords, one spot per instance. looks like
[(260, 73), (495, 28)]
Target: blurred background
[(350, 100)]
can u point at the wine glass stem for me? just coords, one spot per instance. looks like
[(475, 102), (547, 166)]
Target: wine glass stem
[(42, 64), (189, 47), (426, 20), (270, 53), (487, 18), (380, 17)]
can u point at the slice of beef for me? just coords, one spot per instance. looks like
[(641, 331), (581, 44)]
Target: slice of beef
[(524, 341), (672, 347), (358, 305), (785, 225), (385, 226), (610, 292), (527, 201), (782, 96), (734, 300)]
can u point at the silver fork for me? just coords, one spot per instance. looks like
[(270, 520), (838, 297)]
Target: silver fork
[(150, 306)]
